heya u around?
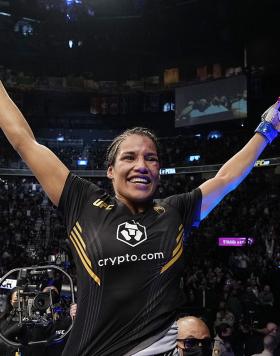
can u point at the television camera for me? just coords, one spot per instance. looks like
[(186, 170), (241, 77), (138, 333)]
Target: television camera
[(40, 299)]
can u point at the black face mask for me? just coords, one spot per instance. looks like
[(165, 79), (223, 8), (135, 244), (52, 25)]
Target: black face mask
[(197, 351)]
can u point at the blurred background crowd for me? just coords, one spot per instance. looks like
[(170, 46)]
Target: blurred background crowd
[(237, 286)]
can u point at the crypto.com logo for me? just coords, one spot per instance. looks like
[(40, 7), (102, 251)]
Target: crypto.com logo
[(132, 234)]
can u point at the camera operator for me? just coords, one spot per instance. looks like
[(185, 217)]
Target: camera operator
[(33, 316), (9, 324), (73, 310)]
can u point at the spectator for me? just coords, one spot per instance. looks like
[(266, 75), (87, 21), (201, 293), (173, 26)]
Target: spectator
[(254, 343), (224, 316), (223, 341), (269, 345), (266, 296), (234, 304), (193, 337)]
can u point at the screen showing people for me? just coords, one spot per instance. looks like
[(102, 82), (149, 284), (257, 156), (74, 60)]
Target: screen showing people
[(219, 100)]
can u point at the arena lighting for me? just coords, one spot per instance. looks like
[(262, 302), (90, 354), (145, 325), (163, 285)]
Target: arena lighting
[(168, 106), (71, 9), (214, 135), (30, 20), (5, 14), (72, 2), (193, 158), (82, 162)]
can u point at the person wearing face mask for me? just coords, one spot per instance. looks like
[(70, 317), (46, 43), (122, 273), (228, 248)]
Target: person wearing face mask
[(193, 337), (223, 341)]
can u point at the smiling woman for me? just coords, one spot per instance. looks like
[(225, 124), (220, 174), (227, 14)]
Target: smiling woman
[(128, 247), (134, 168)]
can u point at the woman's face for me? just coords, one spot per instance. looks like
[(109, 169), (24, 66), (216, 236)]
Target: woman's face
[(135, 173)]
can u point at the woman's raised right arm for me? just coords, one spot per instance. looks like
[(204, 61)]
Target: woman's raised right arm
[(45, 165)]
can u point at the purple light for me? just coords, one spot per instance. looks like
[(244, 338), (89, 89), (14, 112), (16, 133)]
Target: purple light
[(235, 241)]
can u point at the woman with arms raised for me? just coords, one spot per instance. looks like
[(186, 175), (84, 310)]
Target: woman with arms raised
[(128, 247)]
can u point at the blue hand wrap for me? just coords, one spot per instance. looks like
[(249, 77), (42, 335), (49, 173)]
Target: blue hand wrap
[(266, 129)]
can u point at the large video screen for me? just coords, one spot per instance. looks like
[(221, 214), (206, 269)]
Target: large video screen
[(219, 100)]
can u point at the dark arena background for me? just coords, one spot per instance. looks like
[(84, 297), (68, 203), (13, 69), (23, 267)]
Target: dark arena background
[(199, 74)]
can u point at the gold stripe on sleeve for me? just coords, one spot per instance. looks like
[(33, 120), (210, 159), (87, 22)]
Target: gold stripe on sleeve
[(178, 246), (80, 248), (90, 272), (80, 237), (179, 236), (79, 227), (172, 261), (177, 250)]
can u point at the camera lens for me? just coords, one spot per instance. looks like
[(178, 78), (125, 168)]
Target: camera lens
[(41, 301)]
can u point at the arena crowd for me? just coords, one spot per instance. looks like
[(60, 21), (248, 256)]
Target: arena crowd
[(229, 287)]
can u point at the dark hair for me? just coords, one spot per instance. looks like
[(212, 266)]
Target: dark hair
[(113, 148), (222, 328), (8, 307), (57, 283), (270, 342)]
